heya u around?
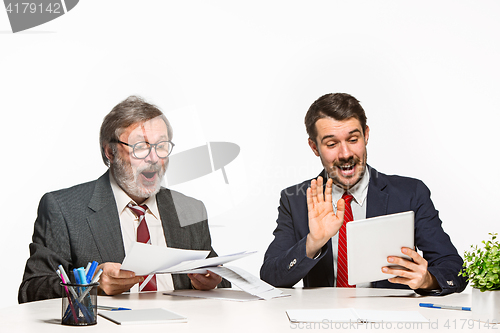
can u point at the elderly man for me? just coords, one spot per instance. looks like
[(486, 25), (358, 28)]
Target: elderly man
[(309, 240), (101, 220)]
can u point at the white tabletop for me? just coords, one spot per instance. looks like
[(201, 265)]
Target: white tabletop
[(210, 315)]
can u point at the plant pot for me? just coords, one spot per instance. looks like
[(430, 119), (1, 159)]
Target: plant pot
[(486, 305)]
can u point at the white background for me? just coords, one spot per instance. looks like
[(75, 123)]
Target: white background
[(426, 73)]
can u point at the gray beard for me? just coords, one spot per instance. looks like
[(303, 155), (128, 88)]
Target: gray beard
[(127, 179)]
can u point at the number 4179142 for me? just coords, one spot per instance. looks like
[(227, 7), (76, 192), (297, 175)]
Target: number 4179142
[(32, 8)]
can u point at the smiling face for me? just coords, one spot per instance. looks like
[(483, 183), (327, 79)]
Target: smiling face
[(139, 178), (341, 147)]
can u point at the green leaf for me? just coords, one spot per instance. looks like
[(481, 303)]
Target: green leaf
[(481, 265)]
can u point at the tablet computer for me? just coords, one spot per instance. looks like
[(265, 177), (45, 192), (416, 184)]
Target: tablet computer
[(371, 241)]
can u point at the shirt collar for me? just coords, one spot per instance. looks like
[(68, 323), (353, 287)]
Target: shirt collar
[(358, 191), (122, 199)]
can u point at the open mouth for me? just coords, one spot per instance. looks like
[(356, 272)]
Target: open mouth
[(347, 169), (149, 175)]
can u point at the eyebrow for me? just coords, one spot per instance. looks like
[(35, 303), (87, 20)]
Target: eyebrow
[(143, 138), (330, 136)]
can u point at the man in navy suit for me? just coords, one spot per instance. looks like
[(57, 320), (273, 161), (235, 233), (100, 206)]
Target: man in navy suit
[(310, 214)]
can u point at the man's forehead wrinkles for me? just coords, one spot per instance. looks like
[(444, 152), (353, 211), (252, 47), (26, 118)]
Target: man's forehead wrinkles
[(147, 131), (333, 135)]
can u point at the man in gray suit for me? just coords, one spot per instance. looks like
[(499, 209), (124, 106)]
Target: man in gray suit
[(99, 221)]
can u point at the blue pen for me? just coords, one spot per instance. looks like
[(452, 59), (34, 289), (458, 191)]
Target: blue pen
[(88, 316), (91, 271), (77, 276), (81, 275), (438, 306), (94, 280), (83, 280), (111, 308)]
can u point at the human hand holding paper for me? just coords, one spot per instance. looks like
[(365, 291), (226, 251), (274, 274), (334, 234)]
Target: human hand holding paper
[(159, 258), (205, 281), (114, 280), (171, 260)]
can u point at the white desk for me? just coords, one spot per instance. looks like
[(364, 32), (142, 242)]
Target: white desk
[(209, 315)]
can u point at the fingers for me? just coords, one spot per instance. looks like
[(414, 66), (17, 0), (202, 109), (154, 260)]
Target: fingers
[(205, 281), (320, 189), (402, 276), (400, 280), (405, 268), (310, 204), (340, 209), (412, 273), (114, 281), (397, 271), (328, 190), (314, 191), (417, 258)]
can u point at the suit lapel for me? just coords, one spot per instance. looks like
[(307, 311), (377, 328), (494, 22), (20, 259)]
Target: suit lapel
[(105, 222), (377, 197), (175, 235)]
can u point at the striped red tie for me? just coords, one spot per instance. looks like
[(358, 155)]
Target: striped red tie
[(342, 273), (149, 283)]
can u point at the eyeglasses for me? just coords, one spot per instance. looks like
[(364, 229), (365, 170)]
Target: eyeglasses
[(142, 149)]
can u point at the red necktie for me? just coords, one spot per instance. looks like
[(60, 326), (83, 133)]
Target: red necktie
[(143, 237), (342, 273)]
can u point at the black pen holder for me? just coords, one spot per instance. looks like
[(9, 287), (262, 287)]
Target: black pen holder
[(79, 304)]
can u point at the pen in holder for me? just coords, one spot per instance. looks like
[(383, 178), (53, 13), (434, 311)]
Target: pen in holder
[(79, 304)]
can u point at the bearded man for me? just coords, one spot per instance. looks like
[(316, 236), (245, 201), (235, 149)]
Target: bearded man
[(309, 241), (101, 220)]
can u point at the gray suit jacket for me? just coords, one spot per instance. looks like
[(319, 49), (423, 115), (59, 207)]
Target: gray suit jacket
[(81, 224)]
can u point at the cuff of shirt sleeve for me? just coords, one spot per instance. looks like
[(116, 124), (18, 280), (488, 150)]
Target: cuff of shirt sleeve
[(318, 254), (445, 287)]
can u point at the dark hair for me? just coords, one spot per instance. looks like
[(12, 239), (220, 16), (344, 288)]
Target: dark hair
[(128, 112), (339, 106)]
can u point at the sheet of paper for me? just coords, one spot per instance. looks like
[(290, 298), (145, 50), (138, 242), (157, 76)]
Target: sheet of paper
[(344, 315), (189, 266), (158, 258), (220, 293), (143, 316), (247, 282)]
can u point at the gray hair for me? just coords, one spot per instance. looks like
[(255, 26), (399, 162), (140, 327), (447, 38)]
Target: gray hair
[(132, 110)]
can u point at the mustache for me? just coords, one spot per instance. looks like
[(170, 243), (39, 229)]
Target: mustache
[(349, 161), (149, 168)]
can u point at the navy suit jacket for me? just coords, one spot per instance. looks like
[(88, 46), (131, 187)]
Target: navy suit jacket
[(286, 262)]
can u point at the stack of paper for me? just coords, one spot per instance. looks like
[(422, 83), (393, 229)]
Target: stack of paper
[(143, 316), (171, 260)]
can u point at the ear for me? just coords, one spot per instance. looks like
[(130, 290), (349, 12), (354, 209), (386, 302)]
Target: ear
[(109, 153), (367, 134), (313, 146)]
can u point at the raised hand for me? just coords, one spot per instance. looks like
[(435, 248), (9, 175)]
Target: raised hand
[(323, 222)]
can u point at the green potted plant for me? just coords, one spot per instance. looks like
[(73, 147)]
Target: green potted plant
[(482, 269)]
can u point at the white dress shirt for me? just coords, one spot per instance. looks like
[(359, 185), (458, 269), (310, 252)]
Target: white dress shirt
[(129, 223), (358, 206)]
